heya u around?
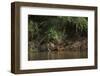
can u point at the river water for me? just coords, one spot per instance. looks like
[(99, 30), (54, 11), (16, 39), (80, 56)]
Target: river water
[(72, 54)]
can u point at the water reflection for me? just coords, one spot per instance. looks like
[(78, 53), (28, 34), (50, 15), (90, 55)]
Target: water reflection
[(72, 54)]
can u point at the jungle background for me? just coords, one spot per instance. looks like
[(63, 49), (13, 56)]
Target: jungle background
[(57, 37)]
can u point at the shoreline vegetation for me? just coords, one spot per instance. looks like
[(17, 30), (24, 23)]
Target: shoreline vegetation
[(57, 37)]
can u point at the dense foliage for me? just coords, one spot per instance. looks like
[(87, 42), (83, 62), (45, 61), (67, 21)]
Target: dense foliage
[(55, 29)]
